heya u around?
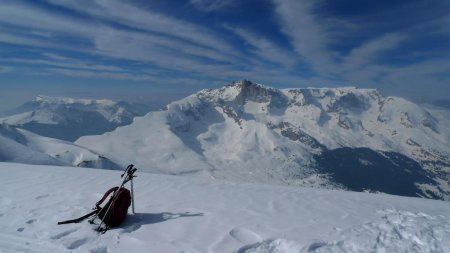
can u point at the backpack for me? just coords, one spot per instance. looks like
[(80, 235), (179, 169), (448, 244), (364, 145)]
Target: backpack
[(116, 209), (114, 212)]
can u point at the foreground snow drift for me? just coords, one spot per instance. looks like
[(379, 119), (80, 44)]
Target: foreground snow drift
[(179, 214)]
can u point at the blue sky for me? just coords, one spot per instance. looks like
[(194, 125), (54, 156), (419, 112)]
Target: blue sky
[(158, 50)]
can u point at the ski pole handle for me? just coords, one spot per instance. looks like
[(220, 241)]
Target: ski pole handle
[(129, 167)]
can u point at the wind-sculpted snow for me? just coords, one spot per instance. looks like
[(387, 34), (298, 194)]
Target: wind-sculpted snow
[(396, 231), (68, 118), (181, 214), (249, 132), (12, 149), (18, 145)]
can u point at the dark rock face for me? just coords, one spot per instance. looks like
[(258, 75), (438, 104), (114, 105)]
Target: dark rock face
[(348, 102), (430, 122), (260, 94), (295, 134), (360, 169)]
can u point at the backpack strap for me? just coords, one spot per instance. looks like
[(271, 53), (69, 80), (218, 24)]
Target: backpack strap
[(114, 189), (97, 207), (79, 219)]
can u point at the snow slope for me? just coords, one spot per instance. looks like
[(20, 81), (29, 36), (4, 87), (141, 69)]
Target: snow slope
[(68, 118), (182, 214), (249, 132), (18, 145)]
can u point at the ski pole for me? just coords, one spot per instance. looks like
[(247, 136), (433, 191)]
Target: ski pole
[(129, 167), (132, 196), (129, 176)]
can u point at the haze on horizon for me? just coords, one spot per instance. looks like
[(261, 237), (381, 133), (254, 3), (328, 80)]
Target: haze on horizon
[(156, 51)]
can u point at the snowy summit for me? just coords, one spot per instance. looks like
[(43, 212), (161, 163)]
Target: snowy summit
[(346, 138)]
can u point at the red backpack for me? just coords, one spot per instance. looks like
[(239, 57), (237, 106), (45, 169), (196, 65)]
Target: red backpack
[(116, 209)]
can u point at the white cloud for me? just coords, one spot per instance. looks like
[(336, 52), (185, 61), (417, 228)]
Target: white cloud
[(22, 40), (99, 74), (124, 13), (68, 63), (41, 22), (424, 81), (368, 52), (168, 42), (308, 37), (212, 5), (149, 48), (365, 64), (266, 49), (157, 47), (422, 70)]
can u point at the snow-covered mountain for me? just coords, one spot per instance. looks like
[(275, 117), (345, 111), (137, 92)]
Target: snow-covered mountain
[(347, 138), (68, 118), (180, 214), (21, 146)]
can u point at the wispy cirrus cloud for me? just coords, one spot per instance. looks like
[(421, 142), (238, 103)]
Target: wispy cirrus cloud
[(264, 48), (150, 48), (152, 38), (99, 74), (307, 36), (320, 39), (54, 60), (41, 22), (145, 19), (212, 5), (294, 43), (369, 52), (312, 38)]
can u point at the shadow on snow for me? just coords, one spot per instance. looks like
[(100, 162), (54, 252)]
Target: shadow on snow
[(135, 221)]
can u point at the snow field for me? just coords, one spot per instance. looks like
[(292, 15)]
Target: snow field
[(22, 146), (181, 214), (251, 133)]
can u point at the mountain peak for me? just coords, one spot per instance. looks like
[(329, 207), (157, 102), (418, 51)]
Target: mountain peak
[(42, 99), (256, 92), (241, 92), (246, 84), (250, 132)]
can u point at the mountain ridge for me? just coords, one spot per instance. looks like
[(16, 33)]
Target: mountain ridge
[(68, 118), (249, 132), (22, 146)]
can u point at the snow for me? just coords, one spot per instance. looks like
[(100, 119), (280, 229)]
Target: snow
[(182, 214), (68, 118), (18, 145), (65, 100), (13, 151), (250, 132)]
